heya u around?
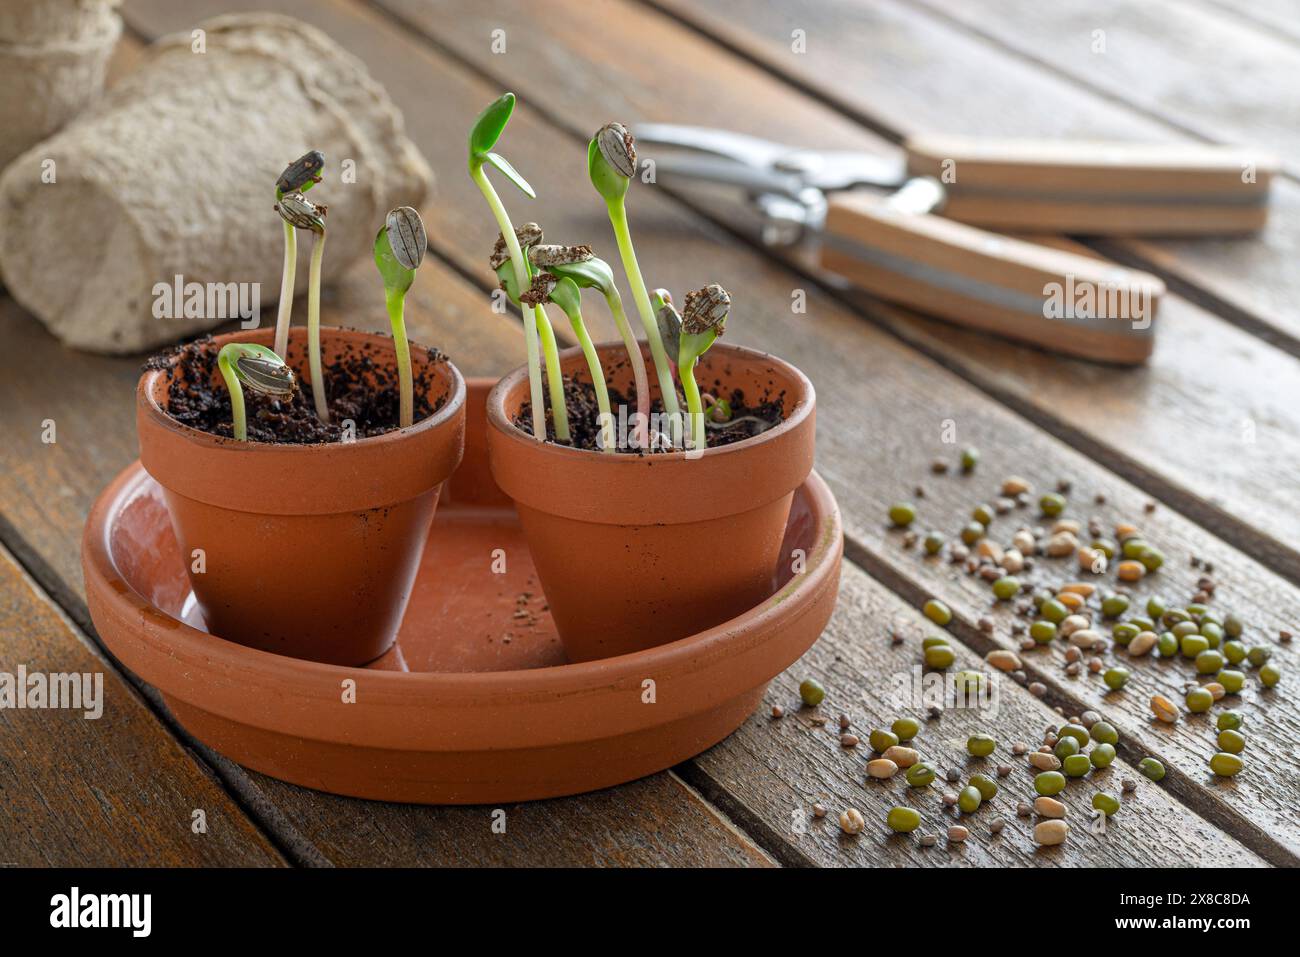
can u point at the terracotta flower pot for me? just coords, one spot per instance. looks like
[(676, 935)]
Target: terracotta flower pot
[(308, 551), (634, 551)]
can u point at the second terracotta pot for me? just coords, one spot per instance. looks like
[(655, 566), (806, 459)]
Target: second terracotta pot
[(634, 551), (308, 551)]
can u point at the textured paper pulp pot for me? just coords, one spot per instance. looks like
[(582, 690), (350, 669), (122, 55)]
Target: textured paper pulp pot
[(634, 551), (308, 551), (35, 22), (46, 84)]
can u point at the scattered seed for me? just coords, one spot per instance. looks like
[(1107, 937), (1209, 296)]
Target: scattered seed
[(1129, 786), (937, 612), (1019, 747), (848, 740), (1151, 768), (953, 775), (1049, 833), (852, 822), (1164, 709), (1037, 689), (928, 840), (882, 768), (969, 459), (812, 692), (938, 466), (1225, 764), (1049, 807), (1004, 770), (778, 711), (949, 799), (819, 810), (903, 757), (957, 834), (1108, 804)]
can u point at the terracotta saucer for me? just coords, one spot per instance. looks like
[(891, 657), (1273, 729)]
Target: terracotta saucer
[(475, 703)]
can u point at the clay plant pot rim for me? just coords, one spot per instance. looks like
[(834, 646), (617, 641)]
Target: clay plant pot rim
[(786, 448), (262, 457), (412, 711)]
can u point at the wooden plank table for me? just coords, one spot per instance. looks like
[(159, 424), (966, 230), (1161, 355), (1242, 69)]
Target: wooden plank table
[(889, 382)]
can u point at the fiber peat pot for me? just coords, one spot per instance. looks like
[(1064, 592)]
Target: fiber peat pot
[(474, 704), (637, 550), (308, 551)]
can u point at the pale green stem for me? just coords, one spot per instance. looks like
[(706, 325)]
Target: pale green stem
[(615, 302), (554, 380), (618, 219), (694, 405), (286, 292), (313, 328), (521, 278), (396, 302), (597, 380), (237, 415)]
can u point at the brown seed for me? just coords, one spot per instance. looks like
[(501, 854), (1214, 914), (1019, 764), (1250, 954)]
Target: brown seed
[(986, 625), (778, 711), (1049, 833), (1049, 807), (938, 466), (819, 810), (1129, 785), (848, 740), (1023, 809), (928, 840), (1284, 637), (1014, 485), (1073, 654), (1149, 507), (949, 799), (1074, 669), (1044, 760), (953, 775), (1099, 498), (1019, 747), (1037, 689), (844, 722), (852, 822), (1004, 770), (996, 826), (1095, 666), (1164, 709), (957, 834), (1028, 644)]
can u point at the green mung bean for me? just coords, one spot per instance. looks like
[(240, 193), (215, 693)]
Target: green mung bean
[(902, 514), (1133, 548), (1151, 768), (1152, 558), (1114, 605), (937, 612), (970, 457), (1108, 804), (1269, 675), (1078, 732), (1115, 678), (931, 640), (1048, 783), (1258, 655), (1104, 732), (1052, 504), (1065, 747), (1232, 681), (1234, 651), (934, 543), (1192, 645), (881, 740), (1125, 632), (972, 532), (905, 729), (987, 787), (1042, 631), (1233, 742), (1006, 588), (1105, 546), (1167, 644), (982, 514), (1142, 624), (969, 799), (903, 819), (1199, 700), (1232, 626), (1156, 606), (981, 745), (1173, 616), (1185, 628), (1229, 720), (939, 656), (1076, 765), (1102, 755), (1212, 632), (1226, 765), (811, 692), (1054, 611), (920, 775), (1209, 662)]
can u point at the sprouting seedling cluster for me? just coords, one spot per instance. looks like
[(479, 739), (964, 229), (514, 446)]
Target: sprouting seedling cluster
[(534, 274), (399, 249)]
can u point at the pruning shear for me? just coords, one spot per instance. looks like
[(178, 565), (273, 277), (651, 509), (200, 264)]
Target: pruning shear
[(899, 248)]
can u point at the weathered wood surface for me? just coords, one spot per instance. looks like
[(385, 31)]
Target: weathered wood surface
[(113, 791), (882, 408), (858, 665), (884, 420)]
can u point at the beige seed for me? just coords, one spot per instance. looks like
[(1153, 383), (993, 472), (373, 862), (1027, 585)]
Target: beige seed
[(1062, 544), (957, 834), (1019, 747), (1130, 571), (848, 740), (882, 768), (1023, 541), (987, 548), (1216, 690), (1049, 807), (1049, 833), (1143, 643), (1044, 760), (1087, 638), (1091, 560), (1013, 560), (1014, 485), (1003, 660), (1164, 709), (1072, 624), (1125, 530), (901, 756), (1086, 589), (1065, 525), (852, 822), (1070, 600)]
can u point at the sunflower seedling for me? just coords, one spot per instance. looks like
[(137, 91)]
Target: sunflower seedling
[(703, 320), (588, 272), (484, 135), (611, 164), (300, 212), (399, 249), (260, 369), (564, 292), (298, 177)]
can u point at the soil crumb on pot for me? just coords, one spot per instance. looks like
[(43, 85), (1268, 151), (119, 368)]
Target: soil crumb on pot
[(360, 389), (584, 416)]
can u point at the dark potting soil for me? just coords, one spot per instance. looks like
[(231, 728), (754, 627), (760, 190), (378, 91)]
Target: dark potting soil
[(358, 388), (584, 416)]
